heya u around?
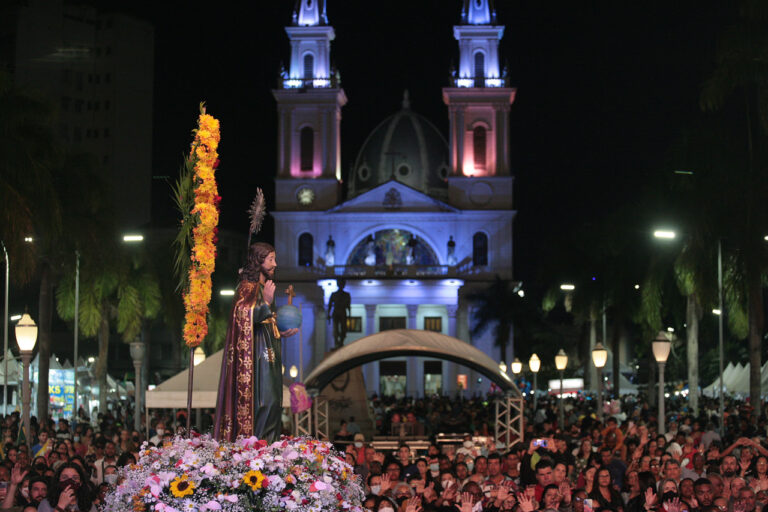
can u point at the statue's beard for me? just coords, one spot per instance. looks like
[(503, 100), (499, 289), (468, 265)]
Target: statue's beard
[(268, 273)]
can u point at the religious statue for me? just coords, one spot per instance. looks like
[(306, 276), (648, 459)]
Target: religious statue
[(250, 387), (451, 252), (339, 309), (330, 252), (370, 251), (410, 250)]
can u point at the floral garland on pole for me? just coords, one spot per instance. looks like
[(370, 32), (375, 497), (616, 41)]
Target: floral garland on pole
[(197, 198)]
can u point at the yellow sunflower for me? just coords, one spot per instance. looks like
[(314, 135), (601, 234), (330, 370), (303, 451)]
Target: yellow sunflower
[(254, 479), (181, 487)]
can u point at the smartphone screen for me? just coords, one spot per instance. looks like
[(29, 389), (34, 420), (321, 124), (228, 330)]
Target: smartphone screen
[(588, 505), (540, 442)]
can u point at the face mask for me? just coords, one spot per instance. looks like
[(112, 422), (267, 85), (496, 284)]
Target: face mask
[(375, 489), (668, 496), (434, 467), (111, 479), (358, 444), (69, 482), (25, 493), (40, 467), (160, 432), (470, 466), (387, 509), (401, 500), (447, 484), (468, 444)]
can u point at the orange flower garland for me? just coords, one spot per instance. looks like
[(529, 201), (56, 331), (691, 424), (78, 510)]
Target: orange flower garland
[(206, 214)]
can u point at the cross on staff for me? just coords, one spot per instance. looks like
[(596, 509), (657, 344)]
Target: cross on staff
[(291, 294)]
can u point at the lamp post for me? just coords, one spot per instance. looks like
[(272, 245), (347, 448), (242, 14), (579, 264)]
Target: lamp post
[(661, 347), (137, 354), (721, 407), (599, 357), (26, 337), (77, 315), (561, 361), (517, 367), (534, 363), (5, 331)]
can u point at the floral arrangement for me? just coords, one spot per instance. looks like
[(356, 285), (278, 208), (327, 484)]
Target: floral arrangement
[(200, 474), (198, 201)]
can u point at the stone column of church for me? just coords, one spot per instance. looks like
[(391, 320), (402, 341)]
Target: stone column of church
[(304, 349), (318, 351), (449, 367), (413, 387), (462, 330), (372, 369)]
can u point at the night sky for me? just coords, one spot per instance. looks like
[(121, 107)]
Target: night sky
[(603, 90)]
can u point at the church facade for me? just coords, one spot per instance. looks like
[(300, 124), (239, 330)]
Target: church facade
[(426, 221)]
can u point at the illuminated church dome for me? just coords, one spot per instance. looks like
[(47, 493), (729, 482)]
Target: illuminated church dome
[(406, 147)]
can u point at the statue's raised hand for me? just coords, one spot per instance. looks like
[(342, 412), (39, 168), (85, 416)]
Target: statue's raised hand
[(269, 292)]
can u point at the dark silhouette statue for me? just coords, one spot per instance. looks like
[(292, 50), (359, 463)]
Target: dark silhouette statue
[(339, 309)]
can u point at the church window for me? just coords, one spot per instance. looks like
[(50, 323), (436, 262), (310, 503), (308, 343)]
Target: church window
[(305, 250), (363, 173), (307, 147), (387, 323), (479, 136), (354, 324), (443, 172), (433, 323), (309, 66), (480, 249), (479, 65), (403, 170)]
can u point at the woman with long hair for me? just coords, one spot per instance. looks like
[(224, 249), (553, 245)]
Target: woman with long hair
[(581, 457), (603, 493), (70, 490)]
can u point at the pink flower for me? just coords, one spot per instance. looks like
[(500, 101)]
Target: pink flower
[(211, 505)]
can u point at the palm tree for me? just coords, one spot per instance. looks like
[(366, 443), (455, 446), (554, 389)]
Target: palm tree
[(117, 290), (738, 87)]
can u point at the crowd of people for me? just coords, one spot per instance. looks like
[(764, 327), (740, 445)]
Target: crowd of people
[(68, 466), (625, 463)]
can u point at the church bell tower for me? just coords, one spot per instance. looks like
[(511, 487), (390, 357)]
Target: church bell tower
[(309, 101), (478, 103)]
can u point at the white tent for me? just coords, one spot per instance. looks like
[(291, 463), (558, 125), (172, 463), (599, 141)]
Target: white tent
[(172, 394), (736, 380)]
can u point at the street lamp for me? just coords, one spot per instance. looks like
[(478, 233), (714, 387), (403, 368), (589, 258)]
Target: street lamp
[(668, 234), (137, 353), (599, 357), (517, 366), (293, 372), (26, 337), (534, 363), (661, 347), (561, 361)]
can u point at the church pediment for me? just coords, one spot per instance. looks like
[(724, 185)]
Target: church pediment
[(393, 196)]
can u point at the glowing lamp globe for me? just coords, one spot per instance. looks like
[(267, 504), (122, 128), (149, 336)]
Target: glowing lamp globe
[(288, 317)]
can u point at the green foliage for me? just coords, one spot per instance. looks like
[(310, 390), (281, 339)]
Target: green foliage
[(184, 199)]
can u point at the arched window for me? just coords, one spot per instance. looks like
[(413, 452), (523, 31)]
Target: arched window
[(309, 66), (480, 67), (480, 249), (307, 146), (479, 136), (305, 250)]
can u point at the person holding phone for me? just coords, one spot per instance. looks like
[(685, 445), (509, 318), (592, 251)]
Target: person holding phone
[(70, 491)]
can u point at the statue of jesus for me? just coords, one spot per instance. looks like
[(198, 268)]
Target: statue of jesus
[(250, 395)]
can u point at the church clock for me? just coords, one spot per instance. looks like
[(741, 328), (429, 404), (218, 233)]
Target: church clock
[(305, 195)]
